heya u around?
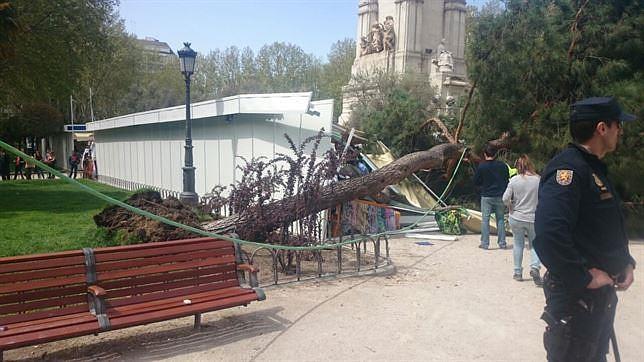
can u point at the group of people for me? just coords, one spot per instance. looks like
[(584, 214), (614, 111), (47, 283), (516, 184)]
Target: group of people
[(516, 188), (25, 168), (572, 217), (85, 160)]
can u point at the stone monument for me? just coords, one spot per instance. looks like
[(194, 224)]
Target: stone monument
[(425, 38)]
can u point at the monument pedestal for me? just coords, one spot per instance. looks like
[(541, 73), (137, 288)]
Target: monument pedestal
[(407, 37)]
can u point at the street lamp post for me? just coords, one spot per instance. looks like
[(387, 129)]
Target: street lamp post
[(187, 61)]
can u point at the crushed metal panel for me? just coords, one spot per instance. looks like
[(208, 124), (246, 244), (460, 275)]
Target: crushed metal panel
[(411, 188)]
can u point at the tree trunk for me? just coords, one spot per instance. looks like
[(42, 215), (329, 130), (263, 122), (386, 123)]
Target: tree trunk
[(339, 192)]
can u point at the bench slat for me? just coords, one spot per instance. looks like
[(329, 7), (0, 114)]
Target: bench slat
[(44, 257), (198, 296), (40, 284), (157, 278), (42, 273), (53, 262), (165, 268), (149, 288), (16, 318), (102, 257), (182, 311), (49, 335), (162, 259), (153, 245), (164, 295), (48, 324), (43, 304), (51, 319), (42, 294)]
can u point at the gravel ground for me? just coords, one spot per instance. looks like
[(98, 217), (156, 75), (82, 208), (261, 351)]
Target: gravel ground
[(449, 302)]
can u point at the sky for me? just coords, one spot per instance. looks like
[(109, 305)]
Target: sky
[(314, 25)]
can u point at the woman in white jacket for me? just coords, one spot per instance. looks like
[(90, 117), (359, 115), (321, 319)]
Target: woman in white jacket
[(521, 198)]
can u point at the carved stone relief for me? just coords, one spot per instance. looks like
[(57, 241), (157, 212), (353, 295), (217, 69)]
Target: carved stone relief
[(381, 37)]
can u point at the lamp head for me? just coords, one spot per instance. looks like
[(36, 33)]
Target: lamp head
[(187, 58)]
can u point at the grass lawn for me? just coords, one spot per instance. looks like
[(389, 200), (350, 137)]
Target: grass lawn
[(38, 216)]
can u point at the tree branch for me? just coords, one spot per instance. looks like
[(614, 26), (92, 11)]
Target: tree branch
[(457, 133), (442, 127), (574, 31)]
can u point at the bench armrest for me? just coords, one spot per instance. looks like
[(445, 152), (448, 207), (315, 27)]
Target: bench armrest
[(96, 291), (247, 267), (252, 273)]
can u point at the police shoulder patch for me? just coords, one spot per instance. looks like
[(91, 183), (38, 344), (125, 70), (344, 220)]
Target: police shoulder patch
[(564, 177)]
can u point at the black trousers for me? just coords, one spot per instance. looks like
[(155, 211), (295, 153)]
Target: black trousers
[(579, 328), (73, 169)]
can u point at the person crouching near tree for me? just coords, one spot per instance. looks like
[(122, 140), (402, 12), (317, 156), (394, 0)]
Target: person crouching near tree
[(581, 237), (521, 198)]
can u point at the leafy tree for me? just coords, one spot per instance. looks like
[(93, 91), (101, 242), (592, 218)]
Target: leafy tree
[(65, 48), (283, 67), (395, 109), (531, 59)]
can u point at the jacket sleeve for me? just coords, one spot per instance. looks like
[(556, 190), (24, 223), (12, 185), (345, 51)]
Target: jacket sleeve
[(507, 195), (555, 222)]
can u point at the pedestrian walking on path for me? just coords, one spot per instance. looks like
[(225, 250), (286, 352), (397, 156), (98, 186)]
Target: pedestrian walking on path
[(521, 198)]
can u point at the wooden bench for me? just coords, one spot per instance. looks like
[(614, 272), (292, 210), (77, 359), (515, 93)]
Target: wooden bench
[(48, 297)]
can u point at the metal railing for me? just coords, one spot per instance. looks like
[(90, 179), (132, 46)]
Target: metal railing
[(132, 186), (364, 255)]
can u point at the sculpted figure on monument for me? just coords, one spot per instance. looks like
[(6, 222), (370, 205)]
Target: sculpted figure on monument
[(390, 36), (365, 45), (441, 47), (376, 38)]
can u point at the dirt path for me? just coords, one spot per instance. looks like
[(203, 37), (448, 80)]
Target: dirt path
[(447, 301)]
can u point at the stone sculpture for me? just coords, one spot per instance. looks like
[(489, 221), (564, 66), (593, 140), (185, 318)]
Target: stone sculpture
[(381, 37), (376, 38), (441, 47), (390, 36)]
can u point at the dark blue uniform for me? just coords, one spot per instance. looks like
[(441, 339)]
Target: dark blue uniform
[(579, 225), (579, 222)]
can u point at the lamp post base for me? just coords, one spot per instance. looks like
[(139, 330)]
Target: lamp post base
[(189, 198)]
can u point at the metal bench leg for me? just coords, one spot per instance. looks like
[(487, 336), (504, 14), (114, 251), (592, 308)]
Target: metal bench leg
[(197, 323)]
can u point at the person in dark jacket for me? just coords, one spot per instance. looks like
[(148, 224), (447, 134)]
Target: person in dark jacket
[(74, 160), (5, 162), (491, 178), (580, 236), (19, 164)]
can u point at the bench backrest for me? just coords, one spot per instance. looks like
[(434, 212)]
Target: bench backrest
[(155, 271), (42, 285)]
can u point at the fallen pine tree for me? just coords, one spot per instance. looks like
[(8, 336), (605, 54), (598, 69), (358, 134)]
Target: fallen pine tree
[(256, 225)]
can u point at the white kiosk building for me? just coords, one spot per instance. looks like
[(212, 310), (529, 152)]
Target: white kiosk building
[(146, 149)]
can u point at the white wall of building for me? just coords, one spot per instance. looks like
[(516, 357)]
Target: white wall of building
[(152, 153)]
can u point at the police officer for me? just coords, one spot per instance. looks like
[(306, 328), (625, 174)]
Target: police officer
[(580, 236)]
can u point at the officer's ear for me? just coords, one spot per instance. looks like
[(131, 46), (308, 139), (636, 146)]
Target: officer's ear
[(601, 128)]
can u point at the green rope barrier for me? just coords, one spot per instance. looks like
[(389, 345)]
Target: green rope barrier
[(201, 232)]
